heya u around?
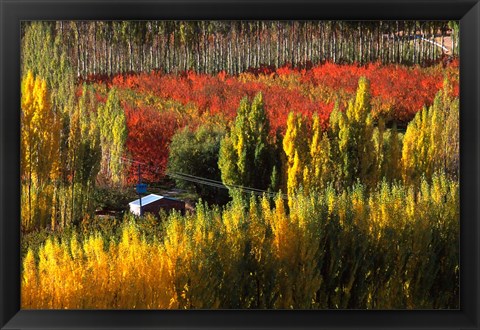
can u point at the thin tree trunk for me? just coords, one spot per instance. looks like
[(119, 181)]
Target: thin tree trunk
[(94, 47)]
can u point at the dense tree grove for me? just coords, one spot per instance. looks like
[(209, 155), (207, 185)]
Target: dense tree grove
[(111, 47), (353, 150), (350, 250), (321, 160), (40, 145), (432, 140)]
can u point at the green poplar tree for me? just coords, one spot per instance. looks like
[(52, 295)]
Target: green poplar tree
[(245, 156), (355, 139), (333, 132), (113, 133), (85, 153)]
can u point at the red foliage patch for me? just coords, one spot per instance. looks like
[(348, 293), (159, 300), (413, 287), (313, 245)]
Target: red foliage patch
[(149, 136), (398, 91), (405, 89)]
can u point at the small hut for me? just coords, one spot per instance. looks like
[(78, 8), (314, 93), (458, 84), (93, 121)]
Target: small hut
[(154, 203)]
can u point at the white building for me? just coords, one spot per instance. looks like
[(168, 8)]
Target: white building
[(154, 203)]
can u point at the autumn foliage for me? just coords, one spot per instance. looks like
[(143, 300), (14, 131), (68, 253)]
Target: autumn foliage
[(149, 135), (398, 93), (319, 163), (330, 250), (399, 89), (364, 216)]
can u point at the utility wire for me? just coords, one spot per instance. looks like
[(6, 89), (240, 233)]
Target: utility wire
[(202, 180), (242, 189), (188, 177)]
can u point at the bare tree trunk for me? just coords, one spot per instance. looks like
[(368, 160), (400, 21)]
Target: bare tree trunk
[(94, 47)]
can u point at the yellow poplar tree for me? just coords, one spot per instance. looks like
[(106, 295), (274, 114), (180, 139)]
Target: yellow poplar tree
[(451, 139), (29, 281), (40, 145), (408, 151), (431, 142), (295, 145), (319, 172)]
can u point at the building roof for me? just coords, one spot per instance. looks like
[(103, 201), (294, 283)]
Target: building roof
[(150, 199)]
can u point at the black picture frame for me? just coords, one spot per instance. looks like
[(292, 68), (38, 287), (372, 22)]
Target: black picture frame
[(13, 12)]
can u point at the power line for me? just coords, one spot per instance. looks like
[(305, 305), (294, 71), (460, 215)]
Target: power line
[(202, 180), (223, 186), (188, 177)]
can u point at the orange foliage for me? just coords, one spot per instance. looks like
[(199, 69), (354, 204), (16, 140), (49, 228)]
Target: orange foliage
[(399, 90), (149, 135), (398, 93)]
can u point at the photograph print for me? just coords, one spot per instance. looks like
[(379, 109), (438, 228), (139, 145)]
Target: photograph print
[(240, 165)]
